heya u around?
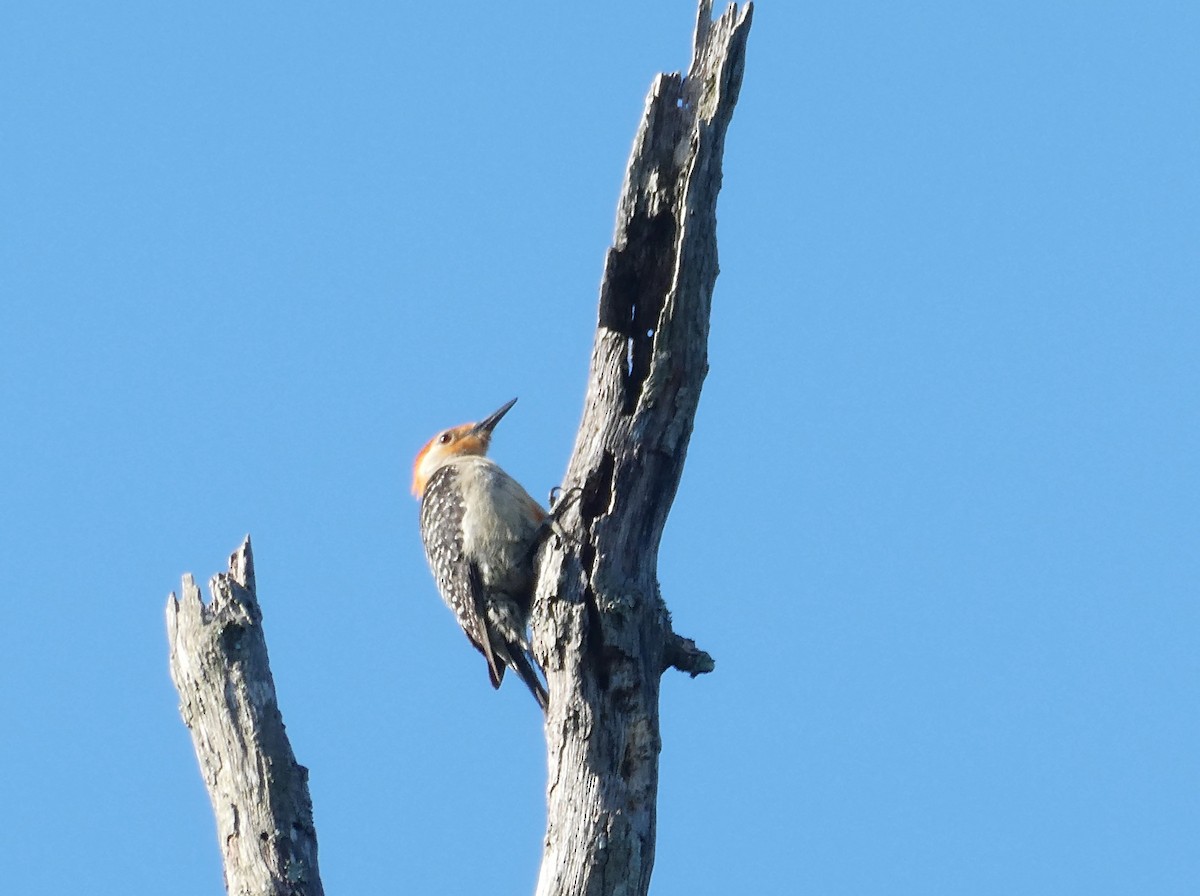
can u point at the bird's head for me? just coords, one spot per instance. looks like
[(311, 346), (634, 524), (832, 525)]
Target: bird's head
[(458, 441)]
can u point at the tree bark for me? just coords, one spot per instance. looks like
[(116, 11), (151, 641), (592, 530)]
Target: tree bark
[(227, 699), (601, 629)]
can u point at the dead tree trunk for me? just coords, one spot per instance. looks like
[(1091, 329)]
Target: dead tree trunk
[(601, 629), (227, 698)]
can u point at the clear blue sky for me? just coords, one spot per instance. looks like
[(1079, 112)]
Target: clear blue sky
[(939, 523)]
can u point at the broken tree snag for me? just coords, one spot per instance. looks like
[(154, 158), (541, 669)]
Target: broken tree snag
[(601, 629), (227, 699)]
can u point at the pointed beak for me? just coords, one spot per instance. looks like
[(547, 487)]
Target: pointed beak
[(484, 427)]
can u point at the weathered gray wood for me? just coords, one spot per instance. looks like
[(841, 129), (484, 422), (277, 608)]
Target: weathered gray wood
[(227, 699), (601, 629)]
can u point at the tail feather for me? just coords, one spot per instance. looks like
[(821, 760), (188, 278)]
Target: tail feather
[(510, 646), (524, 667)]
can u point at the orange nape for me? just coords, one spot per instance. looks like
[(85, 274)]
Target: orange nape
[(459, 441)]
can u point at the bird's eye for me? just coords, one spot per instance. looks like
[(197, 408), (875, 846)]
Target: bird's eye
[(444, 439)]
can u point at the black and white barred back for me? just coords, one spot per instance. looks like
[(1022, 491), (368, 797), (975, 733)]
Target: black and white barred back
[(482, 560)]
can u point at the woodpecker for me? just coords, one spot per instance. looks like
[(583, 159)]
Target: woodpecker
[(481, 530)]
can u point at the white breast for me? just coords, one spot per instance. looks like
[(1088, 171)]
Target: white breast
[(498, 526)]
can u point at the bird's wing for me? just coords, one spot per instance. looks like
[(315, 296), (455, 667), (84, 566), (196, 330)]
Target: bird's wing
[(458, 580), (479, 637)]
